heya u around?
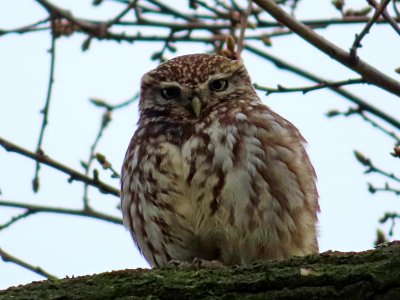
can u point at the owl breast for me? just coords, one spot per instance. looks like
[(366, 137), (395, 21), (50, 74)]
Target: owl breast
[(239, 188)]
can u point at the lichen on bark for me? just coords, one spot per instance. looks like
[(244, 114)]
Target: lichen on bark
[(373, 274)]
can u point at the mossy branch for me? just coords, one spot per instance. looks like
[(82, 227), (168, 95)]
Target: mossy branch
[(330, 275)]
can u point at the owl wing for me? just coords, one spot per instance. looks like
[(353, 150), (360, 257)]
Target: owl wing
[(269, 183)]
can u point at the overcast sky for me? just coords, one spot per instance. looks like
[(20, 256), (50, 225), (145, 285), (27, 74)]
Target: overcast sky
[(67, 245)]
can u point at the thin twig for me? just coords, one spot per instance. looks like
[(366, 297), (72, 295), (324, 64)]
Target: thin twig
[(220, 15), (169, 10), (121, 14), (243, 26), (102, 103), (90, 213), (361, 113), (38, 270), (306, 89), (368, 72), (45, 112), (365, 31), (27, 28), (371, 168), (105, 120), (387, 188), (74, 175), (390, 216), (16, 219), (378, 126)]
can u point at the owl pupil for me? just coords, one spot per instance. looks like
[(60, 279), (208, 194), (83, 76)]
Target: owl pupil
[(171, 93), (218, 85)]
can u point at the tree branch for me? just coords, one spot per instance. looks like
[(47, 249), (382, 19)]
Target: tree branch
[(45, 111), (387, 17), (27, 28), (368, 72), (392, 217), (74, 175), (371, 168), (32, 209), (387, 188), (357, 42), (373, 274), (306, 89), (38, 270), (363, 105), (15, 219), (105, 120)]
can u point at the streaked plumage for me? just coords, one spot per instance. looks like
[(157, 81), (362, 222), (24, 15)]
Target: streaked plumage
[(213, 173)]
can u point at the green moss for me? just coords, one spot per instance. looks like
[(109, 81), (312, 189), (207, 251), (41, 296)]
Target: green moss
[(330, 275)]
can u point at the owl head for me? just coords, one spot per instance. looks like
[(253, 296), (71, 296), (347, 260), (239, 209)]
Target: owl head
[(189, 87)]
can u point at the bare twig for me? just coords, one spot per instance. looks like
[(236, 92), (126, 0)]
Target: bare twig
[(28, 28), (243, 26), (365, 31), (371, 168), (38, 270), (169, 10), (360, 112), (378, 126), (74, 175), (306, 89), (15, 219), (392, 217), (368, 72), (387, 188), (218, 14), (45, 112), (105, 120), (102, 103), (90, 213), (121, 14)]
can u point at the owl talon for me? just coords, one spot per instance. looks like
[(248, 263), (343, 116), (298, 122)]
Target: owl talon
[(195, 263), (175, 264), (203, 263)]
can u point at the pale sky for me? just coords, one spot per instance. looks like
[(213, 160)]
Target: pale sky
[(66, 245)]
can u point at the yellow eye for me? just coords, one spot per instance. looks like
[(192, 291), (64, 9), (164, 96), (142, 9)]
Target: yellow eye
[(218, 85), (171, 93)]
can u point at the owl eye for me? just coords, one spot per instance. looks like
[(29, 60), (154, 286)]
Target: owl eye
[(218, 85), (171, 93)]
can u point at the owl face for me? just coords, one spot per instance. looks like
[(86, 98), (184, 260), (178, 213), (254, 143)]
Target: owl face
[(189, 87)]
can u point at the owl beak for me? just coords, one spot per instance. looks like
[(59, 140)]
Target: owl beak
[(196, 106)]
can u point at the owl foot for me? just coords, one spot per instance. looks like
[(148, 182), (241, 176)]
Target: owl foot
[(175, 264), (203, 263), (195, 263)]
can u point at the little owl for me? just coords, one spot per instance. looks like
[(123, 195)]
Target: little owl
[(211, 173)]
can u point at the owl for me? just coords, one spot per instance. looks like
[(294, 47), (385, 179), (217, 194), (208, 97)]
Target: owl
[(212, 173)]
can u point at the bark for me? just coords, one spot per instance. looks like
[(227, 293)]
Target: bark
[(373, 274)]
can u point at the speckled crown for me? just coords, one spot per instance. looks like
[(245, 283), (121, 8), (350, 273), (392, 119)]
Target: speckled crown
[(194, 68)]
